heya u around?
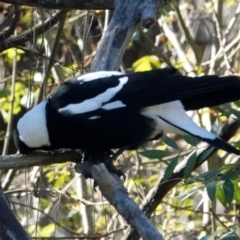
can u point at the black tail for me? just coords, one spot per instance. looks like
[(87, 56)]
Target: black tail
[(221, 144), (164, 85), (227, 91)]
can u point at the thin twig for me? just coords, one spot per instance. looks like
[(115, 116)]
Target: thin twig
[(11, 173), (10, 119), (194, 46), (157, 52), (49, 64), (26, 36), (13, 24), (219, 37), (40, 158)]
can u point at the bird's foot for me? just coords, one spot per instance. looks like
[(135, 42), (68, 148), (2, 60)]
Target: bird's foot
[(104, 158)]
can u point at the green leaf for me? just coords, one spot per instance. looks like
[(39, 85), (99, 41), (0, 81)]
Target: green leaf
[(191, 162), (205, 177), (170, 142), (154, 154), (146, 63), (136, 36), (189, 194), (230, 111), (211, 236), (231, 174), (48, 230), (228, 189), (230, 236), (236, 195), (211, 189), (220, 196), (205, 154), (4, 93), (191, 140), (170, 168)]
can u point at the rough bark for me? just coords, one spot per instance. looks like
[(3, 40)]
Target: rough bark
[(70, 4), (127, 15), (18, 161), (10, 228)]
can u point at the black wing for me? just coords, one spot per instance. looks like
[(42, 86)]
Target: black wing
[(145, 89)]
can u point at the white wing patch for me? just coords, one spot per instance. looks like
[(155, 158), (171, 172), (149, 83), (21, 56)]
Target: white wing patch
[(95, 75), (93, 103), (32, 127), (177, 121), (113, 105)]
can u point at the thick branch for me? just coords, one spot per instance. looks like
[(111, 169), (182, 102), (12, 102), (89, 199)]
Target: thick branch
[(38, 159), (66, 5), (127, 15), (10, 227), (63, 4)]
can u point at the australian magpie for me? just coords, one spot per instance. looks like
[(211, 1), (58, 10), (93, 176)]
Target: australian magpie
[(105, 110)]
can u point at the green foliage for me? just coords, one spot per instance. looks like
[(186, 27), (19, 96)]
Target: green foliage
[(170, 168), (191, 162), (230, 236), (10, 54), (191, 140), (154, 154), (27, 17), (228, 190), (4, 93), (146, 63), (48, 230), (170, 142)]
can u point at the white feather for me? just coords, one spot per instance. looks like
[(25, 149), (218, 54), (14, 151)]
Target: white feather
[(93, 103), (113, 105), (95, 75), (177, 121), (32, 127)]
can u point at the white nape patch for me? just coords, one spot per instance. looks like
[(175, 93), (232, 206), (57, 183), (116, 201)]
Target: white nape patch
[(113, 105), (173, 112), (93, 103), (95, 75), (32, 127), (94, 117)]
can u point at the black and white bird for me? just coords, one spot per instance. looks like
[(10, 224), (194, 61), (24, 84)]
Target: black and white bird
[(106, 110)]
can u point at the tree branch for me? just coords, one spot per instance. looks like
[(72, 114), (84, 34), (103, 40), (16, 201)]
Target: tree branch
[(12, 23), (113, 190), (26, 36), (67, 5), (126, 16), (10, 227), (39, 158)]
